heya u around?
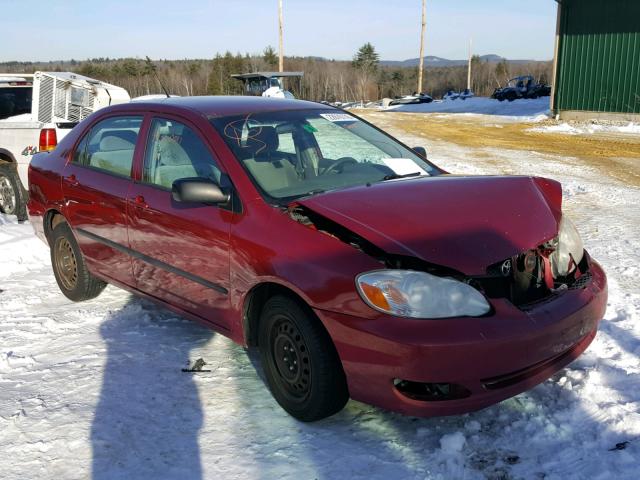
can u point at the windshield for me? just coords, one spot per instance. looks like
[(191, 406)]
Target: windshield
[(14, 101), (291, 154)]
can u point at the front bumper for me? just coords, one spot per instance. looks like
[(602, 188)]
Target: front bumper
[(493, 358)]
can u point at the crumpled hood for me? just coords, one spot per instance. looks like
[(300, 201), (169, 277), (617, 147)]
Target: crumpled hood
[(465, 223)]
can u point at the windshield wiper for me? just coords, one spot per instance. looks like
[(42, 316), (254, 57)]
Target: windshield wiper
[(311, 193), (395, 176)]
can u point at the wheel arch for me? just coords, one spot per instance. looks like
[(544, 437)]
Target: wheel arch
[(254, 302), (7, 156), (51, 220)]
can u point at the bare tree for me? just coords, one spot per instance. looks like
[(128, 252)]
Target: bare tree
[(361, 79)]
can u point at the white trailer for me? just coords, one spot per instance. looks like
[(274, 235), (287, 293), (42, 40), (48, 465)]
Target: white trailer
[(36, 112)]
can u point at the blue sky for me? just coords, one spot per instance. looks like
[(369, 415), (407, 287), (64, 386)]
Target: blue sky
[(64, 29)]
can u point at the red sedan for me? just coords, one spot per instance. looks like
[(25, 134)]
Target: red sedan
[(358, 268)]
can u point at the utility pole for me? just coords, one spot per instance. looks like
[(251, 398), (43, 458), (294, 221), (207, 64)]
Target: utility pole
[(469, 68), (280, 51), (424, 23)]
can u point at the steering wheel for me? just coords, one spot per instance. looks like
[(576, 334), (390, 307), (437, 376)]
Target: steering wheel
[(338, 164)]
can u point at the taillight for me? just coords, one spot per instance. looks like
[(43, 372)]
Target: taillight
[(48, 140)]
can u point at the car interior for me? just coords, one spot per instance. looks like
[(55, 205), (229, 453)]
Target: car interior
[(115, 151), (285, 159), (175, 152)]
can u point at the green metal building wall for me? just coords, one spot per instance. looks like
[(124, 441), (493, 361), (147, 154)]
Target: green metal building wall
[(598, 64)]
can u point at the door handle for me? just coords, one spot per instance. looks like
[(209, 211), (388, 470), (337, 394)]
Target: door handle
[(72, 180), (139, 201)]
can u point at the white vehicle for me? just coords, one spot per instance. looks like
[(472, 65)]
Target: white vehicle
[(268, 84), (37, 111)]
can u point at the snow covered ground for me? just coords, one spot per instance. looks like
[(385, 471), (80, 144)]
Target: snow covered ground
[(95, 390), (521, 110), (589, 128)]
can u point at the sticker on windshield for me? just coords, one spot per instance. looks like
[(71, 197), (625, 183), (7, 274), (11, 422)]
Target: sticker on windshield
[(338, 117)]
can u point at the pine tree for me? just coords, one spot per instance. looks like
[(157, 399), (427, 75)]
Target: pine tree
[(365, 62), (270, 57), (366, 58)]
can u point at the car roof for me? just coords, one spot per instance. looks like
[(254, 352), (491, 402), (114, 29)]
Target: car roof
[(222, 106)]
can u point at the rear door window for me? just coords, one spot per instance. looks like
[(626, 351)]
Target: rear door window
[(110, 145)]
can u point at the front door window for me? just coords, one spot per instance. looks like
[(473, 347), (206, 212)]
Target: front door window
[(175, 151)]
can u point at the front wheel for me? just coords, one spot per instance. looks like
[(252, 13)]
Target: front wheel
[(300, 362), (74, 280), (12, 199)]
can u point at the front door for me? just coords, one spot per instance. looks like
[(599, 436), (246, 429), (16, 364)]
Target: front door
[(96, 184), (182, 250)]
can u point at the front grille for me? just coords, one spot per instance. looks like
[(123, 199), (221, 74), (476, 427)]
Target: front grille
[(582, 282)]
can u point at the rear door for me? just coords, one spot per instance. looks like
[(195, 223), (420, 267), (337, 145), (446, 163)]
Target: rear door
[(182, 250), (96, 184)]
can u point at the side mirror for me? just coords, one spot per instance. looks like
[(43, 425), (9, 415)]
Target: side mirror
[(198, 190), (420, 151)]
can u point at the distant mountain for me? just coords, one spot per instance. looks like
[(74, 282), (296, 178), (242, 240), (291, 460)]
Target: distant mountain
[(432, 61)]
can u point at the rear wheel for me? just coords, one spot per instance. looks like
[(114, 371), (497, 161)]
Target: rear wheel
[(300, 362), (12, 197), (74, 280)]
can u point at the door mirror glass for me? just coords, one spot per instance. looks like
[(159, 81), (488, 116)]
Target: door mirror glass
[(198, 190)]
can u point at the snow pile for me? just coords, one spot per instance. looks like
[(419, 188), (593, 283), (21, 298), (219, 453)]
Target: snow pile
[(452, 443), (587, 129), (27, 254), (522, 110)]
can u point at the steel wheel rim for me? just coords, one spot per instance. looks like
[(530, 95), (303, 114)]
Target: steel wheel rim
[(66, 264), (290, 357), (7, 196)]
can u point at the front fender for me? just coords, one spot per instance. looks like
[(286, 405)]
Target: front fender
[(316, 266)]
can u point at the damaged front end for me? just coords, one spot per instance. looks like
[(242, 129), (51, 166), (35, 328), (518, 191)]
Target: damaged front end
[(526, 280), (540, 274)]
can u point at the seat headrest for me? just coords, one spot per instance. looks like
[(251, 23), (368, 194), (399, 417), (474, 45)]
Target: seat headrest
[(118, 140), (261, 141)]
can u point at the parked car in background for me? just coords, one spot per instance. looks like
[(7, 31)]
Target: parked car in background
[(463, 95), (36, 112), (412, 99), (521, 87), (357, 267)]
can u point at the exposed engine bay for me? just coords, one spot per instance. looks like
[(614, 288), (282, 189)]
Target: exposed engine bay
[(529, 278)]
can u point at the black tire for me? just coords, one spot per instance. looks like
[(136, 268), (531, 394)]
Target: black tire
[(74, 280), (300, 362), (12, 195)]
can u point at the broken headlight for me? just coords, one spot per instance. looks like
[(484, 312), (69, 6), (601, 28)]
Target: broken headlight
[(569, 250), (408, 293)]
